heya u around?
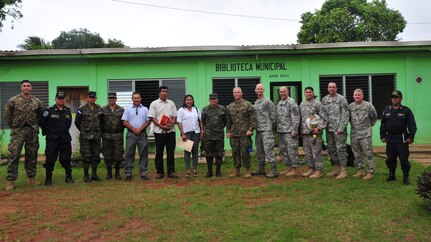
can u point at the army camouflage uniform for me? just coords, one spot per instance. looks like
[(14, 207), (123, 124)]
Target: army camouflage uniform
[(336, 109), (21, 115), (266, 120), (112, 135), (288, 118), (88, 122), (240, 118), (312, 146), (214, 121), (362, 119)]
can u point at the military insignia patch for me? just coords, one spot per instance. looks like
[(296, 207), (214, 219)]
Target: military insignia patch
[(45, 114)]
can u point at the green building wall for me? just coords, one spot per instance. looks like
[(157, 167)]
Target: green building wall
[(198, 72)]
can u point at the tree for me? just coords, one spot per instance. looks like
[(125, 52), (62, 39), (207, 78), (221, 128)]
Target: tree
[(78, 39), (349, 21), (114, 43), (9, 8), (35, 43)]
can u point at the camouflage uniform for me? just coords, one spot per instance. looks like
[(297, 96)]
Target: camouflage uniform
[(362, 118), (336, 109), (214, 121), (288, 118), (312, 146), (88, 123), (266, 121), (112, 135), (21, 115), (240, 118)]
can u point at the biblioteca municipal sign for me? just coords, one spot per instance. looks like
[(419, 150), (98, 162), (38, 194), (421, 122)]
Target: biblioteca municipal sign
[(249, 66)]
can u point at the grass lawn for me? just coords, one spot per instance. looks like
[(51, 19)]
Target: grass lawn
[(216, 209)]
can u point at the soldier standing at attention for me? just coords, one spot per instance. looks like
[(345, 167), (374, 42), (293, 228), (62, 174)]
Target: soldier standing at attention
[(55, 123), (213, 122), (363, 116), (21, 113), (336, 108), (240, 123), (288, 118), (312, 138), (266, 121), (397, 130), (88, 122), (112, 136)]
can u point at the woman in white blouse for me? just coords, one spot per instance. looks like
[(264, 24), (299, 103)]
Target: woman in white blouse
[(190, 126)]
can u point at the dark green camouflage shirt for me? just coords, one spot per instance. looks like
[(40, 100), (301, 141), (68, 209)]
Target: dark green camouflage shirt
[(112, 125), (214, 121), (241, 116), (88, 121), (19, 112)]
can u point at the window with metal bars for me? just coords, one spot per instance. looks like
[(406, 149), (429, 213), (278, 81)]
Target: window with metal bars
[(224, 88), (377, 88)]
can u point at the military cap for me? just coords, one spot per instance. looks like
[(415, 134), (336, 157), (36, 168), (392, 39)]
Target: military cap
[(92, 94), (112, 94), (213, 96), (397, 93), (60, 95)]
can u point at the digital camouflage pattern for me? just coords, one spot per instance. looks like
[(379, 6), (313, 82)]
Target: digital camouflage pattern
[(112, 135), (21, 115), (266, 118), (336, 109), (288, 118), (312, 145), (362, 118)]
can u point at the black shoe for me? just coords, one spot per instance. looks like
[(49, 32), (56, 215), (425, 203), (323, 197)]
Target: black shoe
[(391, 177), (96, 178), (69, 180), (173, 175), (209, 175), (128, 178), (145, 178), (48, 182), (406, 179), (160, 176)]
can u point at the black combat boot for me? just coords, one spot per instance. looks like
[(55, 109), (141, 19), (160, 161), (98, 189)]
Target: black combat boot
[(94, 176), (218, 167), (117, 171), (406, 179), (209, 167), (48, 178), (69, 178), (391, 176), (260, 171), (109, 173), (86, 175)]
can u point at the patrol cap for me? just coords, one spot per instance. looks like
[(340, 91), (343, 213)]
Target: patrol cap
[(112, 95), (397, 93), (60, 95), (91, 94), (213, 96)]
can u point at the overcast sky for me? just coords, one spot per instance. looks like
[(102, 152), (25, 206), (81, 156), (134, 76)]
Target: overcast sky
[(144, 26)]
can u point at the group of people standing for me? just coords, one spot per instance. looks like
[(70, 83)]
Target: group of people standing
[(102, 131)]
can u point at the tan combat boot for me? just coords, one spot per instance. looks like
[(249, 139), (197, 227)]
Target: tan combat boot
[(360, 173), (343, 173), (316, 174), (335, 172), (286, 171), (247, 173), (292, 172), (236, 173), (10, 185), (33, 182), (308, 173), (369, 176)]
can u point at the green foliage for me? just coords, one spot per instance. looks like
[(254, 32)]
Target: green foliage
[(424, 186), (349, 21), (114, 43), (78, 39), (10, 8), (35, 43)]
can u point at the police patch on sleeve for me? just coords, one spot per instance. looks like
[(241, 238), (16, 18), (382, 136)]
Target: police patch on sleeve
[(45, 114)]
